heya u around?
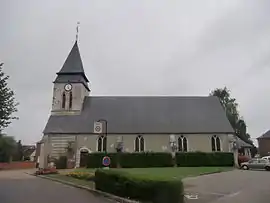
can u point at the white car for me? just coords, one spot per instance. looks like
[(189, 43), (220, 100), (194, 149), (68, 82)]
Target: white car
[(266, 158), (256, 163)]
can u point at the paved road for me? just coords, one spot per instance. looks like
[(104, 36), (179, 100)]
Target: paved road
[(236, 186), (18, 187)]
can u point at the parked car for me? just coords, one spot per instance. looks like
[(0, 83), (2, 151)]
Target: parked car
[(256, 163), (266, 157)]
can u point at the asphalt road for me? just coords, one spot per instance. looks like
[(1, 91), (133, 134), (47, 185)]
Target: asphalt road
[(236, 186), (228, 187), (18, 187)]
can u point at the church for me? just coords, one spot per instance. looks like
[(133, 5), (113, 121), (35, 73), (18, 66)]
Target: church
[(81, 123)]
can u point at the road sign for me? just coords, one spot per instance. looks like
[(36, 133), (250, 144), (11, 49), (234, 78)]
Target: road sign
[(98, 127), (106, 161)]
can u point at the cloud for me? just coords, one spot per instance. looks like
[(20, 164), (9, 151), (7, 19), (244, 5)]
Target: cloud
[(138, 47)]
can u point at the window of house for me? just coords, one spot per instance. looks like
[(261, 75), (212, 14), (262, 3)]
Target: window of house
[(102, 144), (182, 144), (139, 144), (216, 143), (70, 100), (64, 100)]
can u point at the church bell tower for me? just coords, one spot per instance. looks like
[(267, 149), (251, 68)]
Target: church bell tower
[(70, 85)]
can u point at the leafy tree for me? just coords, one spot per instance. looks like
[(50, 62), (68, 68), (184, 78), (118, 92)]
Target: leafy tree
[(18, 152), (7, 146), (7, 101), (231, 108)]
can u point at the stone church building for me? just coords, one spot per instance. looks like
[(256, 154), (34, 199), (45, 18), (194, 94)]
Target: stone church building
[(139, 123)]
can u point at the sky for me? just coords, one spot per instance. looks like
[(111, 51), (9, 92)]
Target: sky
[(139, 47)]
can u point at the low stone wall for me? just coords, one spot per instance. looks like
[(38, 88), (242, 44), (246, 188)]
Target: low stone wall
[(17, 165)]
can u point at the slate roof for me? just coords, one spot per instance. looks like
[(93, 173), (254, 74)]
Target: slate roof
[(242, 143), (140, 114), (72, 70), (265, 135)]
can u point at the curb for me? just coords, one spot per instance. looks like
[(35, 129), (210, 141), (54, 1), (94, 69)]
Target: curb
[(206, 174), (96, 192)]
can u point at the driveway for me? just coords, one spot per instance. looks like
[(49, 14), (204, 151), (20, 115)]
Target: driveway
[(18, 187), (233, 186)]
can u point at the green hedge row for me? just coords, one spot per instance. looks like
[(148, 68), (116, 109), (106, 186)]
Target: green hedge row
[(161, 159), (131, 160), (139, 188), (204, 159)]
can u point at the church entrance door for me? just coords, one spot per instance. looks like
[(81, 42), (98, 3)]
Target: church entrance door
[(83, 158)]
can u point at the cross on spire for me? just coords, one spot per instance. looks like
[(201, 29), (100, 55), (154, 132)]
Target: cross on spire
[(77, 31)]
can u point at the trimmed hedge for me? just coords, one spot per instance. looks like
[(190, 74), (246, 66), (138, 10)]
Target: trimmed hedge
[(204, 159), (146, 160), (139, 188), (162, 159), (132, 160), (94, 160)]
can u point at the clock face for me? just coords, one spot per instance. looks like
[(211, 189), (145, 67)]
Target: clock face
[(68, 87)]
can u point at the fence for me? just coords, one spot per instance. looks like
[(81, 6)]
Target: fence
[(17, 165)]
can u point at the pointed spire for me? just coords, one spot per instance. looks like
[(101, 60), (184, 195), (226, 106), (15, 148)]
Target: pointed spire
[(73, 63), (72, 70)]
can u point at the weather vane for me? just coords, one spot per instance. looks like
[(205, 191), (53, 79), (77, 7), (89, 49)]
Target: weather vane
[(77, 29)]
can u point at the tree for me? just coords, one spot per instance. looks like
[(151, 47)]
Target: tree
[(7, 146), (7, 101), (231, 108), (18, 152)]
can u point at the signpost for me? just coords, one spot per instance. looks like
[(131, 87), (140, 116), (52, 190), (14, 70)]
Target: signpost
[(106, 161)]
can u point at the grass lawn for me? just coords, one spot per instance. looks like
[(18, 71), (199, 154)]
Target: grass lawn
[(170, 172)]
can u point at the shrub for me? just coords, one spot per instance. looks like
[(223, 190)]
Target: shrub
[(131, 160), (82, 175), (61, 163), (190, 159), (145, 160), (138, 187)]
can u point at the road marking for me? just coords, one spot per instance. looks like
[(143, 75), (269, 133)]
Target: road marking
[(233, 194), (227, 196)]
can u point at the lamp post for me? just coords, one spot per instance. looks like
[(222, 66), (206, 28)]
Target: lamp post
[(173, 146), (106, 130)]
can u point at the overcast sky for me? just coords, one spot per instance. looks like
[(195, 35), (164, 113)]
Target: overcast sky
[(138, 47)]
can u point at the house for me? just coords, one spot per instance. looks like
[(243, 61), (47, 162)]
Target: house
[(264, 144), (244, 148), (33, 156), (27, 151), (140, 123)]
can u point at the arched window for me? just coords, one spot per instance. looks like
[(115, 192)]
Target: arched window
[(182, 144), (63, 100), (102, 144), (216, 143), (70, 100), (139, 144)]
